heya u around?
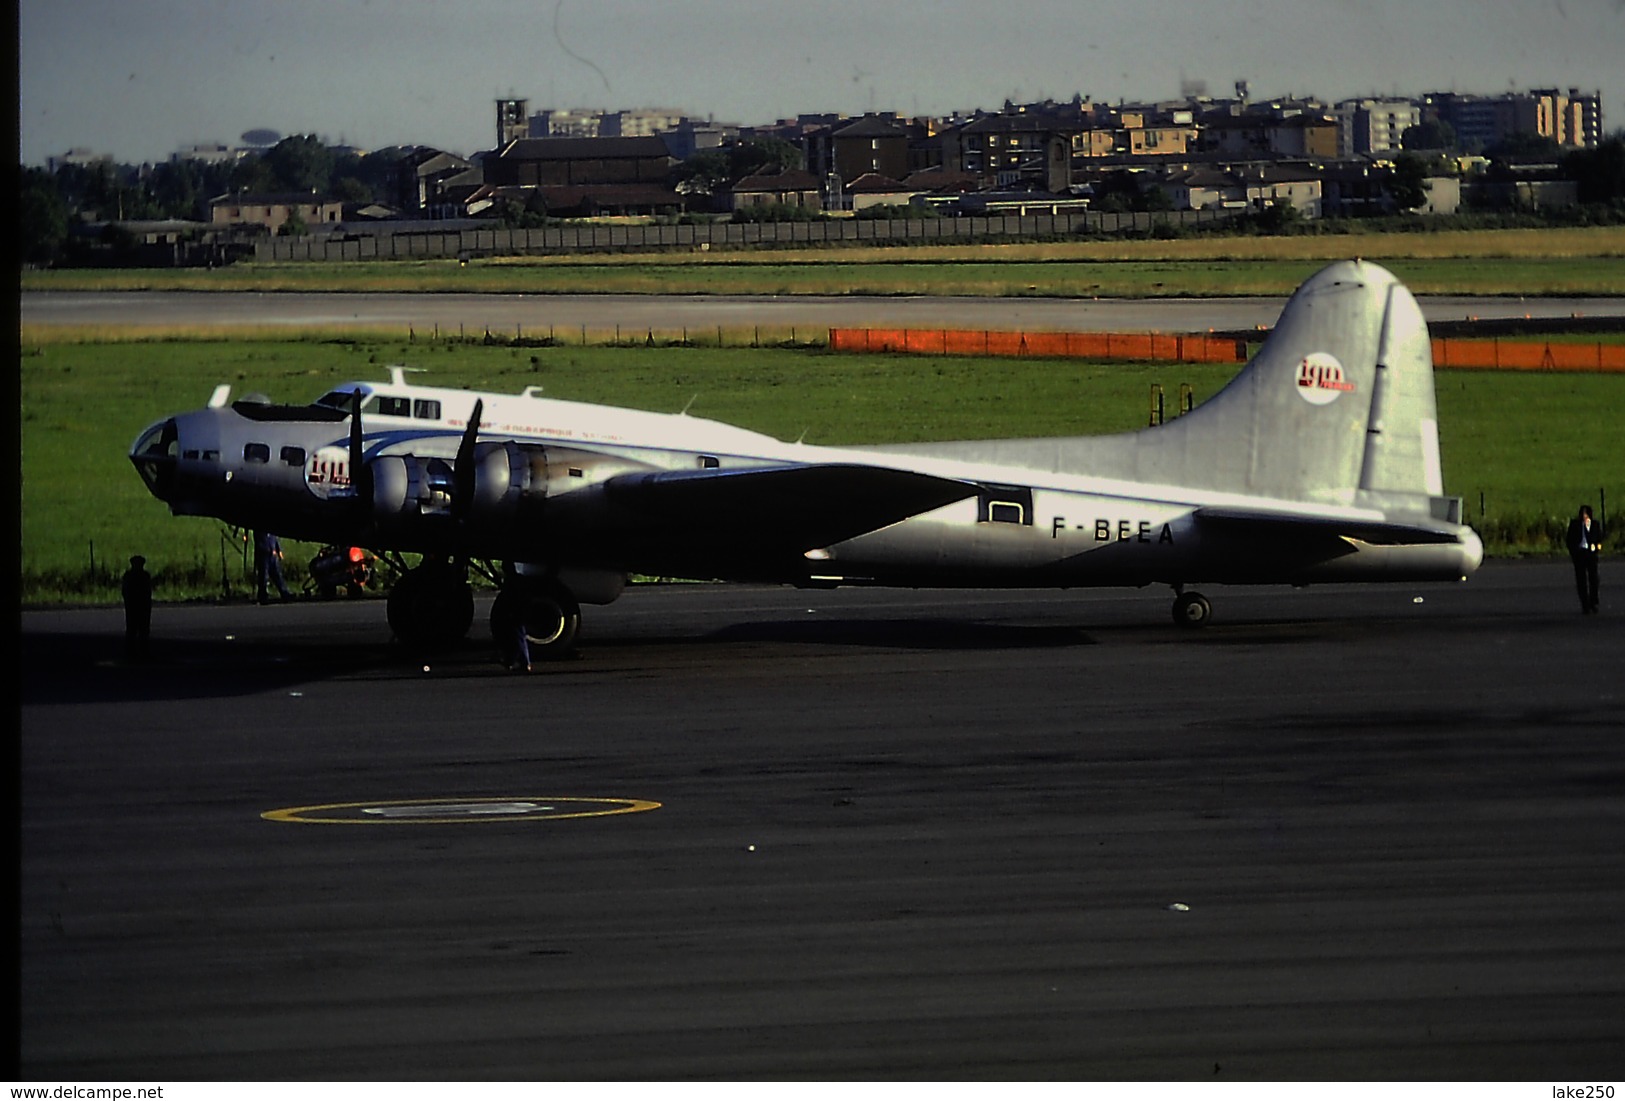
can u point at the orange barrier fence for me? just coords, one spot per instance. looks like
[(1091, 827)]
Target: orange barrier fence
[(1157, 347), (1523, 355), (1205, 348)]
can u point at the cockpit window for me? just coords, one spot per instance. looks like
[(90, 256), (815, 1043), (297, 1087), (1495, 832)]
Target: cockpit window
[(338, 399), (381, 404)]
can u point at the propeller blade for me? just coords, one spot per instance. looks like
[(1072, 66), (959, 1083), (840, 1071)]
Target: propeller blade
[(462, 474), (360, 472)]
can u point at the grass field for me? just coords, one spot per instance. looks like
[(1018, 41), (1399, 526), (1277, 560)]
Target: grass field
[(1528, 446), (1531, 262)]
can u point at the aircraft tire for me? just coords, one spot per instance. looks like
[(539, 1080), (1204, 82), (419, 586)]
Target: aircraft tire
[(1192, 610), (430, 608), (551, 616)]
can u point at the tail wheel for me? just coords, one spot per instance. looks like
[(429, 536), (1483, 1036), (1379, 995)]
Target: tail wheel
[(551, 618), (1192, 610)]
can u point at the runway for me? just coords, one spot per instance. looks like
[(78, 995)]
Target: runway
[(536, 314), (1348, 832)]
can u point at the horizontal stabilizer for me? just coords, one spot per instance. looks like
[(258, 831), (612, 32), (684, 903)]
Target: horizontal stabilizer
[(788, 508), (1277, 527)]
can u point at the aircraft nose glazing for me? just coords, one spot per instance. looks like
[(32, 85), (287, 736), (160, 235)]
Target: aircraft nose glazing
[(154, 454)]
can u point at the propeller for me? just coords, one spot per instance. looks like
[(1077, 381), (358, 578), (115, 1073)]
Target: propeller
[(360, 472), (462, 473)]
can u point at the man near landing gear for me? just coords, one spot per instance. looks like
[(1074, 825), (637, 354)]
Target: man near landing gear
[(508, 621), (268, 567)]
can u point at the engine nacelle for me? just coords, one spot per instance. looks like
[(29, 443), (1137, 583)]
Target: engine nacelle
[(509, 492)]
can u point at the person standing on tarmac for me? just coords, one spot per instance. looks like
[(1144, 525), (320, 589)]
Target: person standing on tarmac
[(268, 566), (137, 591), (1585, 543)]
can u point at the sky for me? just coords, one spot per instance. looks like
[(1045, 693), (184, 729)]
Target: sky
[(140, 79)]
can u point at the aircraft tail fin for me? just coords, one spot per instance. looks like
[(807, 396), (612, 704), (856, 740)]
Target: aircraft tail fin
[(1336, 409), (1337, 405)]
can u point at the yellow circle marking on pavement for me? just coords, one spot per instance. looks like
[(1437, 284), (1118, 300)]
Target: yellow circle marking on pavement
[(395, 812)]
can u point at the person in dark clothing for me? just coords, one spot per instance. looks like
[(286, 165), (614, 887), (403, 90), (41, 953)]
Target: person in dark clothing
[(268, 566), (137, 589), (508, 620), (1585, 543)]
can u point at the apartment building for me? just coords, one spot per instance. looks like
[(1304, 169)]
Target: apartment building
[(1006, 151), (1373, 126), (1567, 117), (849, 149), (1570, 118), (1267, 135), (566, 123), (642, 122)]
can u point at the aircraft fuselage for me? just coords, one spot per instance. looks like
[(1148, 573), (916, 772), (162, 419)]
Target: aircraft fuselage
[(1318, 462)]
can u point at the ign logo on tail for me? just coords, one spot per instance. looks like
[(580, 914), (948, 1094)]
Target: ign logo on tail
[(1320, 378)]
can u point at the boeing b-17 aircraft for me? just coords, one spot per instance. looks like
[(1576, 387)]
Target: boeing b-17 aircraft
[(1318, 462)]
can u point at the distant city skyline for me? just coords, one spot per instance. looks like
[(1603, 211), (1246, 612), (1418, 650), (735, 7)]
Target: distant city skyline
[(141, 79)]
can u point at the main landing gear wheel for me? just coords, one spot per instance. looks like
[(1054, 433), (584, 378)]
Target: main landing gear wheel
[(431, 606), (550, 615), (1192, 610)]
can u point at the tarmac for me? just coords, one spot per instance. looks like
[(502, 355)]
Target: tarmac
[(754, 833)]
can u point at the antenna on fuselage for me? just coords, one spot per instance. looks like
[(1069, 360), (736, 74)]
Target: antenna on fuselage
[(690, 405)]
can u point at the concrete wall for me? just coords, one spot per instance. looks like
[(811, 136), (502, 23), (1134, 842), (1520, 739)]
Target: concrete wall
[(381, 243)]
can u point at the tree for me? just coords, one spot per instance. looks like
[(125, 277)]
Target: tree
[(42, 217), (776, 212), (380, 171), (705, 173), (1155, 198), (181, 189), (1428, 135), (1599, 173), (1407, 182), (748, 158), (300, 163), (1279, 218), (1523, 146), (531, 214), (252, 175), (710, 170), (349, 189), (100, 191)]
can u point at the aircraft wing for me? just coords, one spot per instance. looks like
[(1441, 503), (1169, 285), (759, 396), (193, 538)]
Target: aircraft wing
[(792, 508)]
